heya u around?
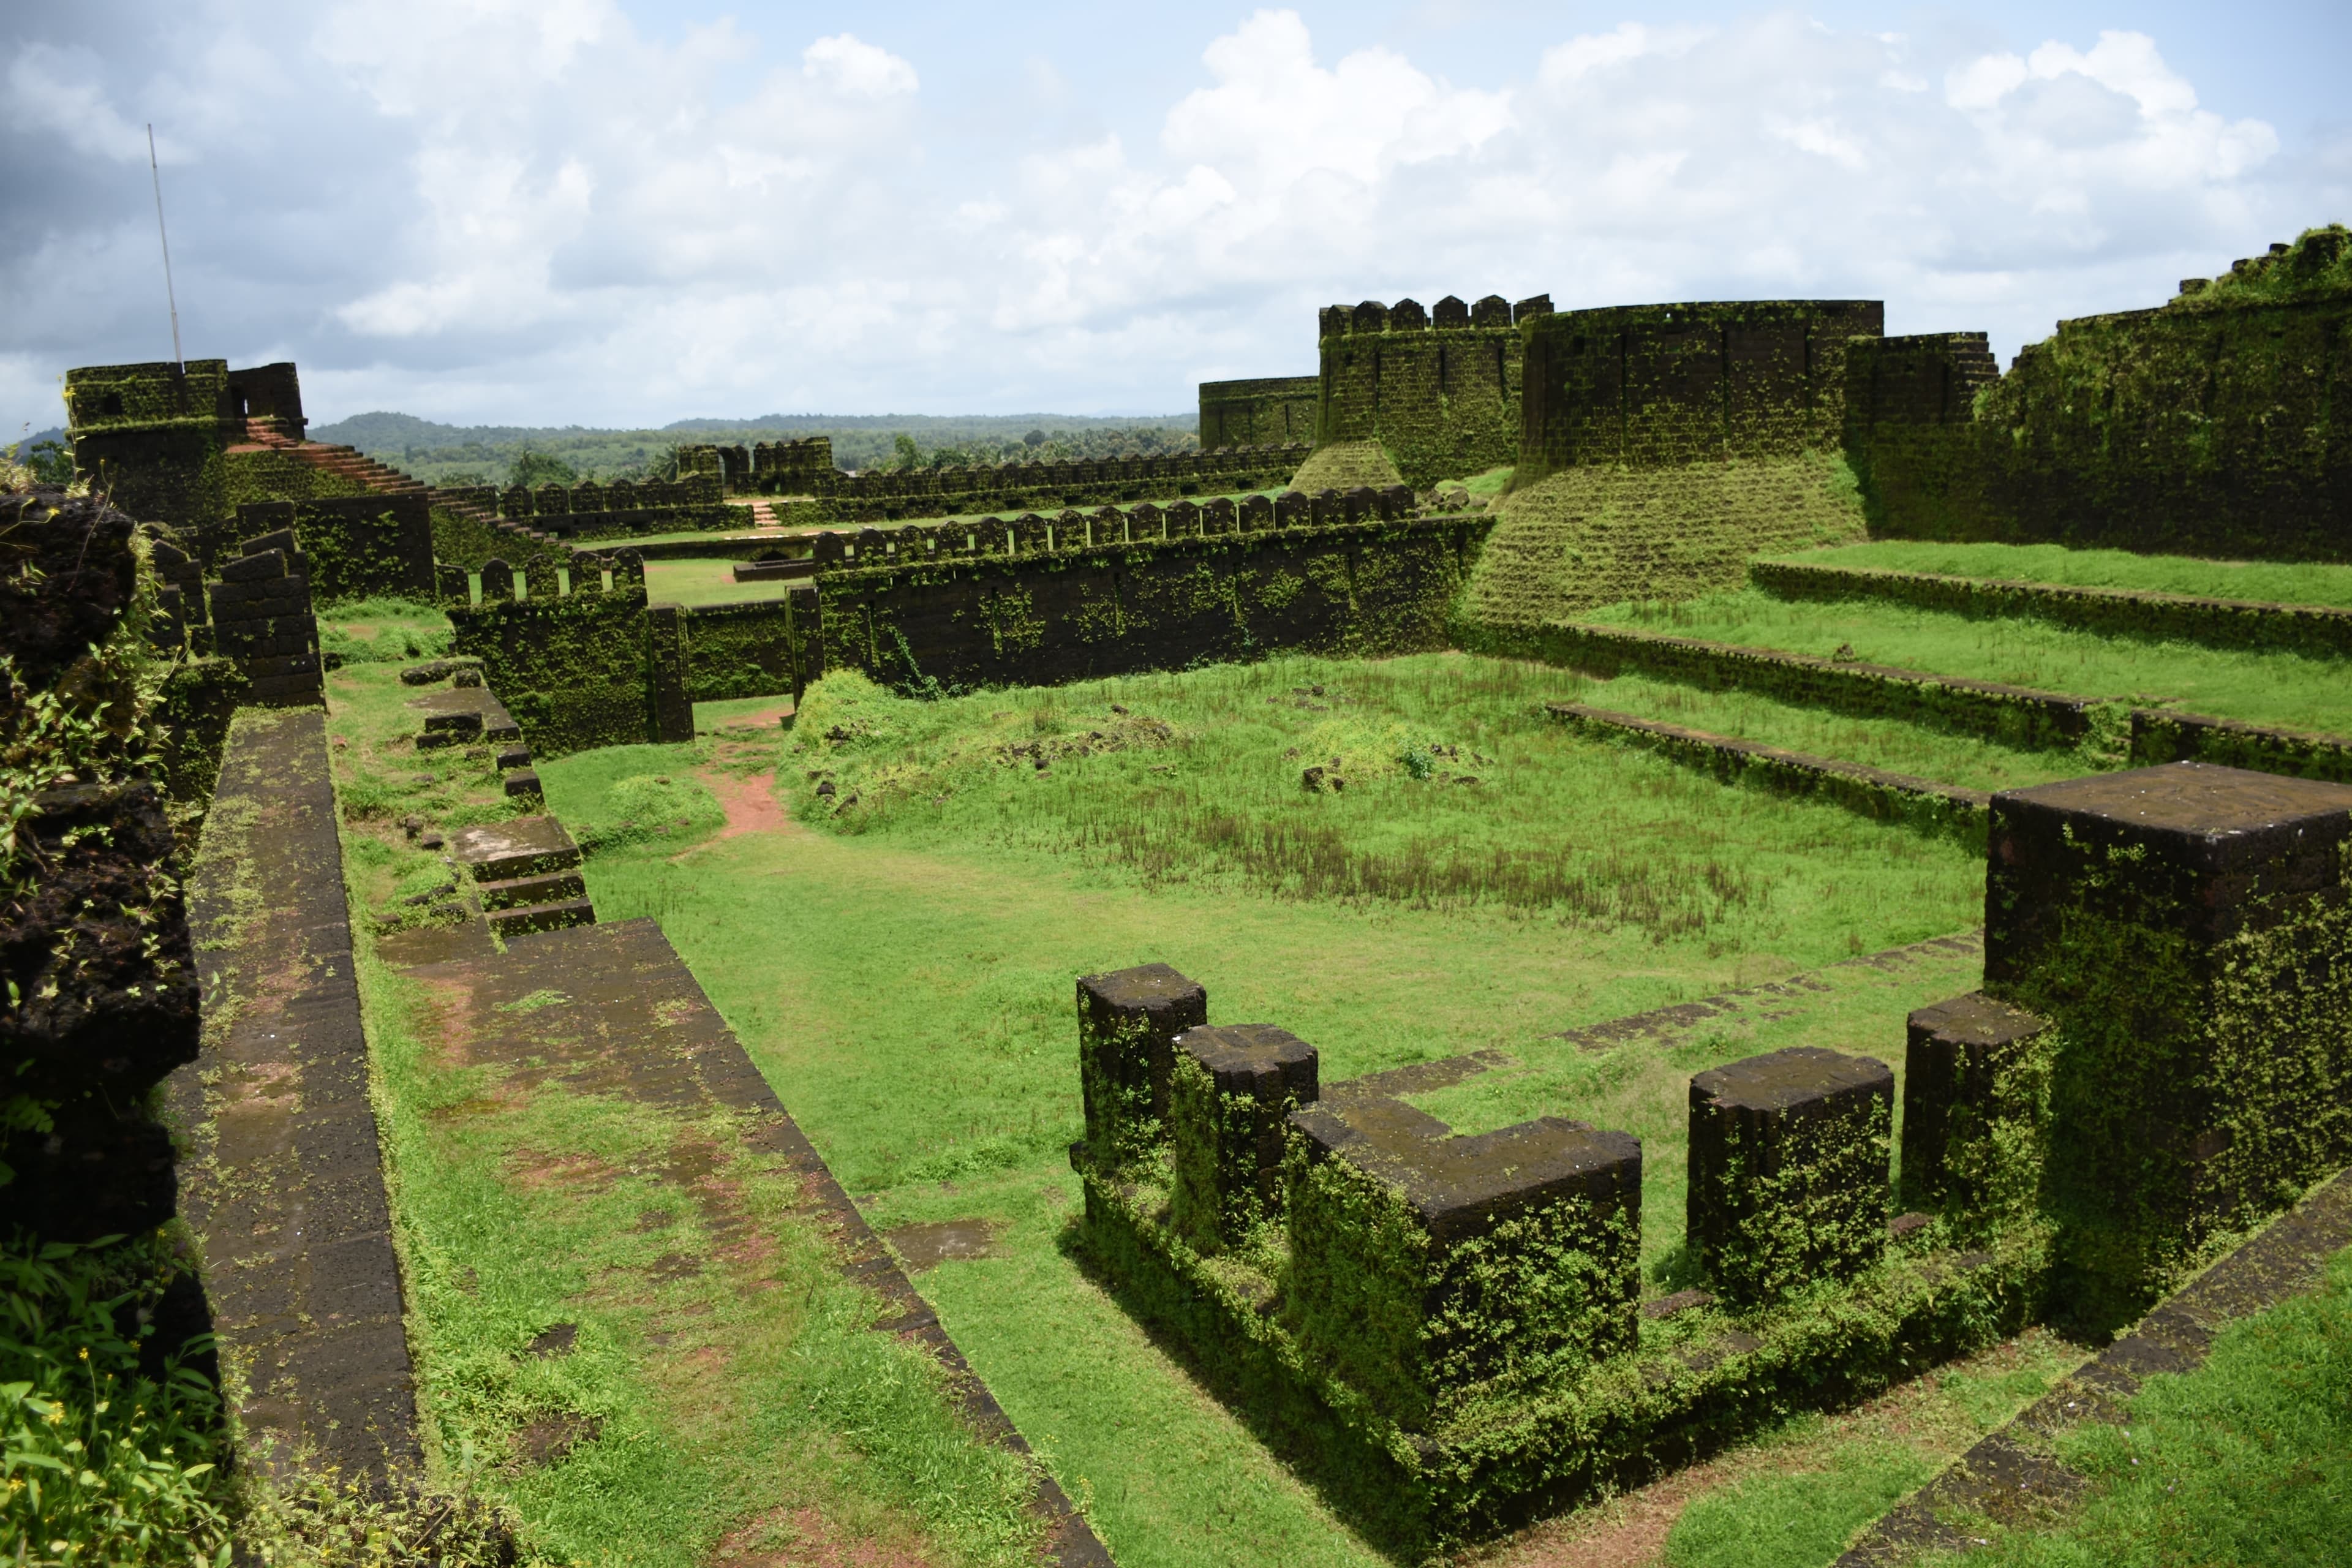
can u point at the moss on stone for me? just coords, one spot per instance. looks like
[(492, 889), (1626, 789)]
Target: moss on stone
[(1344, 465), (1589, 536)]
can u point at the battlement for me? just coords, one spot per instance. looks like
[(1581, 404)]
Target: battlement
[(1493, 313), (806, 468)]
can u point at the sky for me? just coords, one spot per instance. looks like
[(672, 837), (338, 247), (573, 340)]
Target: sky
[(620, 213)]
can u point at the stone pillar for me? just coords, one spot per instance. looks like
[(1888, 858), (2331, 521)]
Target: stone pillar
[(1976, 1109), (1127, 1023), (1788, 1170), (673, 713), (1230, 1091), (498, 582), (261, 618), (2185, 930), (1423, 1264)]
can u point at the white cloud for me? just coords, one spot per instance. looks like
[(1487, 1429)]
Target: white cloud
[(56, 91), (532, 210), (859, 69)]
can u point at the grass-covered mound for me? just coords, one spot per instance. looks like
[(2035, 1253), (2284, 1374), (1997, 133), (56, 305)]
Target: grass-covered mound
[(1583, 537), (1343, 466)]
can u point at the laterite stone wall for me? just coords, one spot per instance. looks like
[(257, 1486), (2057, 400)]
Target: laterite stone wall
[(1256, 413), (2214, 424), (955, 622), (1439, 391)]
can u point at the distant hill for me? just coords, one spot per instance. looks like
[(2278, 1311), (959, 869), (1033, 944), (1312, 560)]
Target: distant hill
[(459, 454), (27, 442)]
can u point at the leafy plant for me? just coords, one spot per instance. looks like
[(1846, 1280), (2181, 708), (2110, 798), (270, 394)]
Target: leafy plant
[(101, 1462)]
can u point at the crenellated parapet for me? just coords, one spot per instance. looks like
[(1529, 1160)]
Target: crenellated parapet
[(1437, 388)]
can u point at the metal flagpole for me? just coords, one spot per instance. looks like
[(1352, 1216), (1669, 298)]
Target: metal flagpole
[(168, 298)]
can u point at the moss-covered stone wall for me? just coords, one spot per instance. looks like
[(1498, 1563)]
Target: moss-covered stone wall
[(1440, 392), (2185, 931), (574, 670), (757, 649), (1036, 615), (1274, 409), (2214, 424), (1660, 385)]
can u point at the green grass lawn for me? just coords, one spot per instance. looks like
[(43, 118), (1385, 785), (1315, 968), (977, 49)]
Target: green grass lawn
[(902, 969), (2294, 582), (692, 583), (1894, 744), (2246, 1460), (743, 1406), (2260, 687)]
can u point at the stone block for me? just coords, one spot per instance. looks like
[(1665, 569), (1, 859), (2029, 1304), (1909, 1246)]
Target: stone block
[(520, 846), (1976, 1105), (528, 917), (259, 566), (1788, 1170), (2187, 931), (1423, 1264), (522, 782), (514, 757), (546, 887), (1230, 1090), (1129, 1020)]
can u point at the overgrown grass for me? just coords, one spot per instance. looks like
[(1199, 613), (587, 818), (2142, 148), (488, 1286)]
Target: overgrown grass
[(382, 630), (2246, 1460), (902, 968), (742, 1403), (2282, 688), (1437, 783), (692, 583), (1894, 744), (102, 1461), (2297, 582)]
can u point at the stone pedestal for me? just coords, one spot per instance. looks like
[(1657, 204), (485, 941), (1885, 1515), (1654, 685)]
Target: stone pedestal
[(2185, 930), (1127, 1023), (1230, 1091), (1424, 1264), (1975, 1099), (1788, 1170)]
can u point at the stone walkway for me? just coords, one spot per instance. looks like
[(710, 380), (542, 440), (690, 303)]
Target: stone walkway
[(283, 1182)]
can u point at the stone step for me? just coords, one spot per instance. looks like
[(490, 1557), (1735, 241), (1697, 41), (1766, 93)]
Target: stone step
[(521, 846), (529, 917), (546, 887)]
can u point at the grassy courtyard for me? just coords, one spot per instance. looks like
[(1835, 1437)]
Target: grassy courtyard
[(889, 902)]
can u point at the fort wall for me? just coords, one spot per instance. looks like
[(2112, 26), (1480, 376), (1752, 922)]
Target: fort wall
[(2214, 424), (1439, 390), (1034, 601), (1654, 385), (878, 495), (1275, 410)]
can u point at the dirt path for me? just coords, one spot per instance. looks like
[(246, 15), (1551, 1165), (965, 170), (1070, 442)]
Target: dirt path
[(751, 804)]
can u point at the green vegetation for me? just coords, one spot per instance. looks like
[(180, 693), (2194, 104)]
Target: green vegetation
[(2248, 1459), (1798, 1517), (2277, 688), (2292, 583), (1586, 536), (926, 1040), (381, 630), (1345, 465), (744, 1403), (694, 583), (101, 1462), (451, 454)]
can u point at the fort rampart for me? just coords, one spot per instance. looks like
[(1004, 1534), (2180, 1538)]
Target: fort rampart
[(1656, 385), (2214, 424), (1440, 390), (1275, 410), (878, 494)]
